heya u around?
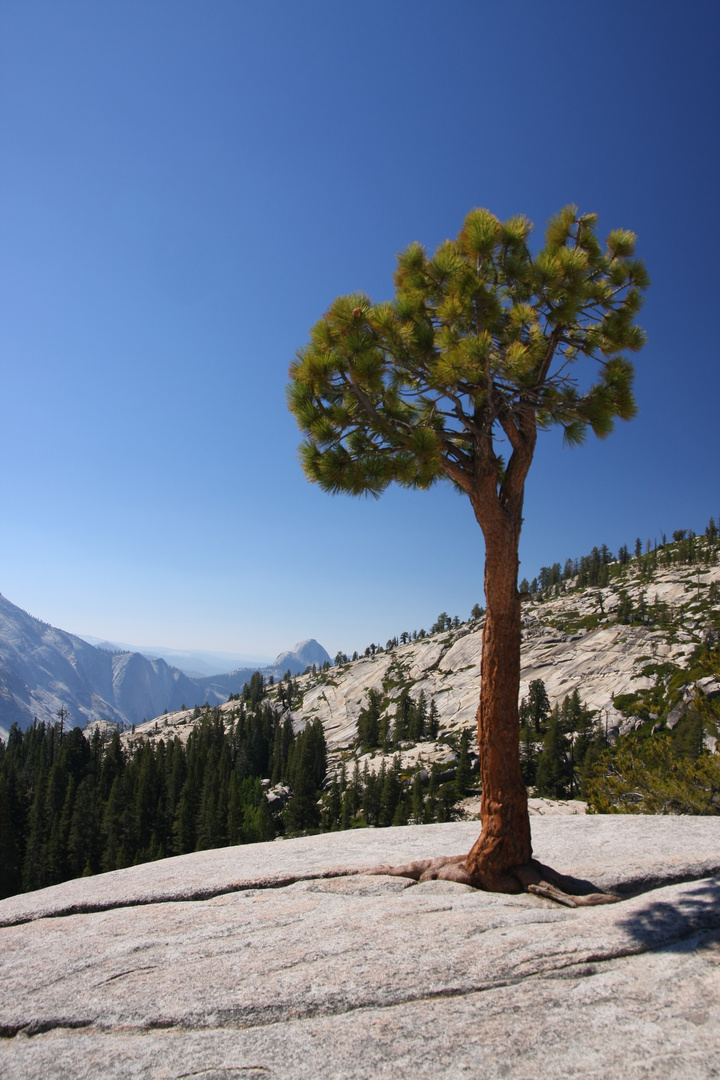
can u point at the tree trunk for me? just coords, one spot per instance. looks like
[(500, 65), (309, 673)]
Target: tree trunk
[(504, 843)]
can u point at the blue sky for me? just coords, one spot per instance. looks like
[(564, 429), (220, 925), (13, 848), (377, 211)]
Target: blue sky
[(184, 189)]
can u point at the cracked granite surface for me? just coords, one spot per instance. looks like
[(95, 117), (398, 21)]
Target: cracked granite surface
[(355, 976)]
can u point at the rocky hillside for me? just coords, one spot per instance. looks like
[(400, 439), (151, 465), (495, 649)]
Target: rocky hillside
[(607, 642)]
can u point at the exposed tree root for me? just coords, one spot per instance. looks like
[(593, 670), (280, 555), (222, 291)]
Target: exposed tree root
[(533, 877)]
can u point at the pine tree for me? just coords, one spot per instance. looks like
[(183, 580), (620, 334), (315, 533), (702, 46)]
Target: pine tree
[(402, 811), (371, 794), (355, 790), (35, 860), (257, 820), (235, 812), (430, 807), (302, 811), (446, 802), (390, 794), (417, 805), (553, 774), (184, 831), (538, 705), (10, 856), (481, 338), (463, 773), (528, 752), (84, 835), (332, 814), (368, 725), (417, 721), (433, 721)]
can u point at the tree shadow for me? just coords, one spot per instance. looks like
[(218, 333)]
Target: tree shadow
[(669, 922)]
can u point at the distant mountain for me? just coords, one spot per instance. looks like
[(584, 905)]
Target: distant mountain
[(296, 660), (43, 668), (305, 654), (197, 663)]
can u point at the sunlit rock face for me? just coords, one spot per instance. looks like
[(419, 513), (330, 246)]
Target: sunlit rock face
[(283, 960), (600, 663)]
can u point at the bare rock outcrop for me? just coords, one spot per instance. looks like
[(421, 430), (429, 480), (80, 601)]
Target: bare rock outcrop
[(283, 960)]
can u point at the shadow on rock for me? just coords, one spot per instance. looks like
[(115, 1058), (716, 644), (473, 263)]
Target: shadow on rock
[(664, 922)]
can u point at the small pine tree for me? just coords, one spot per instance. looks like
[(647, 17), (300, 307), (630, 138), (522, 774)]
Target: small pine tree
[(417, 804), (433, 721), (463, 773), (553, 774), (368, 725), (538, 705)]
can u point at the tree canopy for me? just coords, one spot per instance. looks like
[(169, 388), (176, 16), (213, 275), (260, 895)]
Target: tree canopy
[(481, 340)]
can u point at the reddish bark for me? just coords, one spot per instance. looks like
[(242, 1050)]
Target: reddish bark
[(504, 843)]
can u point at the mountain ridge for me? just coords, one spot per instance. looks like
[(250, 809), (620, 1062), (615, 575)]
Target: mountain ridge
[(44, 669), (195, 663)]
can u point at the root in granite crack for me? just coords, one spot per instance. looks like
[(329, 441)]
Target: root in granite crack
[(534, 877)]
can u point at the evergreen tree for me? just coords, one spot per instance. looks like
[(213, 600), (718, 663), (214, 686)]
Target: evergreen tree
[(433, 722), (624, 608), (404, 714), (372, 793), (332, 814), (309, 765), (114, 852), (84, 834), (553, 774), (417, 720), (480, 338), (463, 773), (35, 861), (369, 723), (538, 705), (352, 797), (10, 854), (113, 764), (417, 805), (430, 807), (390, 794), (446, 802), (257, 825), (402, 811), (528, 752)]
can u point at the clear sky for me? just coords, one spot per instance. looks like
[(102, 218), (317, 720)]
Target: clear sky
[(184, 189)]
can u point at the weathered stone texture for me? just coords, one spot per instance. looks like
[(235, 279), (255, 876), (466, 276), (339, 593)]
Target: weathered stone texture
[(356, 976)]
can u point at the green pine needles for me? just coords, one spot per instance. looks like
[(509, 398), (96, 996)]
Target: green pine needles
[(483, 338)]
